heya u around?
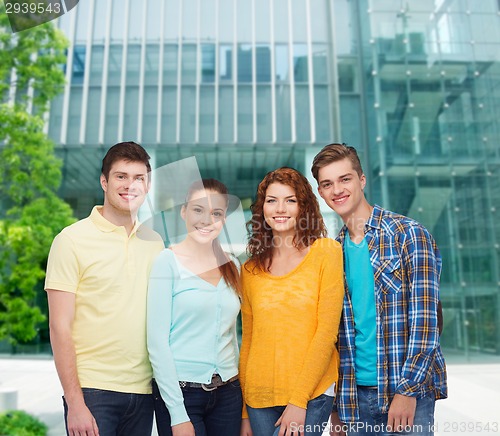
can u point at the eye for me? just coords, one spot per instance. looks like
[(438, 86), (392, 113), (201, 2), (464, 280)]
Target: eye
[(120, 177), (346, 179), (197, 210), (291, 200), (141, 178), (270, 200), (326, 185), (218, 214)]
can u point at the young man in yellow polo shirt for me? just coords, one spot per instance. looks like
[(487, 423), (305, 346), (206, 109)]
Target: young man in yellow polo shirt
[(96, 283)]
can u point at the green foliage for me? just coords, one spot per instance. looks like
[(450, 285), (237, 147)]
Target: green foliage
[(28, 168), (30, 173), (19, 423), (25, 242), (36, 55)]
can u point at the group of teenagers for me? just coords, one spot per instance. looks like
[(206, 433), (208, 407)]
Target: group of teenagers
[(341, 331)]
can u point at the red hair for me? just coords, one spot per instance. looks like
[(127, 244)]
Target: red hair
[(310, 225)]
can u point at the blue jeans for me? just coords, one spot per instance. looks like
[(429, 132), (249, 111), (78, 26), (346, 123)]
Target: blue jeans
[(118, 413), (318, 411), (212, 413), (372, 422)]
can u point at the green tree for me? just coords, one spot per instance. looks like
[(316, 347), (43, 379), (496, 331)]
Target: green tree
[(30, 173)]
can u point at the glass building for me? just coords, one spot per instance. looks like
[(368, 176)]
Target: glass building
[(247, 86)]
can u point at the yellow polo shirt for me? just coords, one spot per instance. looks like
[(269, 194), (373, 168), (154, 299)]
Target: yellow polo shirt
[(108, 272)]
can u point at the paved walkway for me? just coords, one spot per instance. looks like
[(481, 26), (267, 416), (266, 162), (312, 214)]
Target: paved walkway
[(39, 392), (473, 407)]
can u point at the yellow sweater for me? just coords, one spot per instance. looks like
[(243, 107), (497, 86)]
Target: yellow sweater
[(290, 326)]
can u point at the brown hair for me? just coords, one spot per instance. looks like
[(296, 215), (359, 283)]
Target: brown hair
[(310, 225), (128, 151), (227, 268), (333, 153)]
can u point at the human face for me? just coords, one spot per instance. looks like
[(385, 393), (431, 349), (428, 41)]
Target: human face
[(126, 187), (281, 209), (342, 188), (204, 215)]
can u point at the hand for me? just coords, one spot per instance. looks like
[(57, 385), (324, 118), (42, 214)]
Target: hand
[(292, 421), (401, 413), (81, 421), (336, 425), (246, 430), (183, 429)]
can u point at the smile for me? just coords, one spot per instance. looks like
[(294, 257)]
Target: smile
[(203, 230), (281, 219), (341, 200), (128, 196)]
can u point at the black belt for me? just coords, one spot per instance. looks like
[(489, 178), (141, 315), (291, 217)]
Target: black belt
[(214, 384), (367, 387)]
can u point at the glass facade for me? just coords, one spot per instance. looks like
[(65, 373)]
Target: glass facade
[(250, 85), (422, 80)]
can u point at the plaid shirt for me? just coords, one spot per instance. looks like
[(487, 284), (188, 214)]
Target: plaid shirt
[(406, 266)]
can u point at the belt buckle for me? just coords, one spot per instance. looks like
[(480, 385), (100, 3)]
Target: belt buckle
[(206, 387), (214, 383)]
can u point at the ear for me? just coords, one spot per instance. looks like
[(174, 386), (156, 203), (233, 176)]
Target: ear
[(362, 179), (104, 183), (183, 212), (320, 192)]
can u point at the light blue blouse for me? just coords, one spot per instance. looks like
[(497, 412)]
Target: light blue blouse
[(191, 330)]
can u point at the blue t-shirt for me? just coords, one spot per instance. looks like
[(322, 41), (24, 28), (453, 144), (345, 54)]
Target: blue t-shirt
[(361, 283)]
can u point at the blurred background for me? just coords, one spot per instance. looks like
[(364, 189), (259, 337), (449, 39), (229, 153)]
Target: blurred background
[(248, 86)]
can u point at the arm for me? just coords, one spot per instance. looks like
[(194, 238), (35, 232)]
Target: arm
[(336, 425), (61, 314), (422, 265), (235, 329), (246, 340), (159, 318), (246, 430)]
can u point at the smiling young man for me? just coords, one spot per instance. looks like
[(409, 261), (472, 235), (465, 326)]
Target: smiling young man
[(391, 366), (96, 282)]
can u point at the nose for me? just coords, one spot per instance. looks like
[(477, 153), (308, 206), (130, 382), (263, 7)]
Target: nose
[(337, 189), (206, 218), (127, 183), (281, 206), (130, 183)]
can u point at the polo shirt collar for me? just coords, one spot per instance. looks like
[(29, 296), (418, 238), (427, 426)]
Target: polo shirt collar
[(104, 225)]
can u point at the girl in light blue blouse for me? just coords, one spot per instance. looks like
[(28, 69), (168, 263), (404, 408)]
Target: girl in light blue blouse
[(193, 304)]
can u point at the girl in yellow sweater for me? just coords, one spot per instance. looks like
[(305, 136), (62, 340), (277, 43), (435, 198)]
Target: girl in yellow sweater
[(292, 300)]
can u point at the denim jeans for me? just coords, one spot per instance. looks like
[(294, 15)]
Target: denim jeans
[(212, 413), (318, 411), (372, 422), (118, 413)]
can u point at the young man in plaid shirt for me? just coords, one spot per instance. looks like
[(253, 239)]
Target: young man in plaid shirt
[(391, 366)]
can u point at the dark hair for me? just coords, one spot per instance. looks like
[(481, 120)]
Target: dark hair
[(310, 225), (333, 153), (128, 151), (227, 268)]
